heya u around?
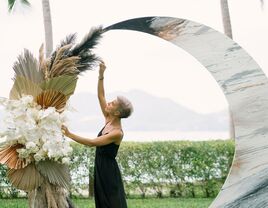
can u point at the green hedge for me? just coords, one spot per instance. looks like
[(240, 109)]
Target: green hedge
[(168, 168), (174, 168), (6, 190)]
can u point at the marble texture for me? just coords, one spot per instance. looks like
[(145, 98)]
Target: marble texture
[(245, 87)]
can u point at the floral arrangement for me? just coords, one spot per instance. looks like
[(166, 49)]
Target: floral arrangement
[(35, 151), (37, 130)]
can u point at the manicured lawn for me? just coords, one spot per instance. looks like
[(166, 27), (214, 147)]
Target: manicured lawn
[(132, 203)]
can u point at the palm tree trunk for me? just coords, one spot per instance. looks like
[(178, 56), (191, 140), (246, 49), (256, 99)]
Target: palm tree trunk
[(228, 31), (226, 18), (48, 27)]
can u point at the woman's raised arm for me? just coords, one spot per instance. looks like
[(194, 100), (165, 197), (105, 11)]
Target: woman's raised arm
[(101, 92)]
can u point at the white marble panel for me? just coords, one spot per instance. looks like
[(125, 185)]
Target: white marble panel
[(246, 89)]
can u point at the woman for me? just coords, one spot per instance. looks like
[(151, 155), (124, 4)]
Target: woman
[(108, 185)]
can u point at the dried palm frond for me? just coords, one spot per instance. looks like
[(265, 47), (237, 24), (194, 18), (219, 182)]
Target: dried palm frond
[(65, 84), (84, 49), (27, 66), (24, 86), (52, 98), (56, 173), (62, 64), (25, 179), (50, 196), (10, 157)]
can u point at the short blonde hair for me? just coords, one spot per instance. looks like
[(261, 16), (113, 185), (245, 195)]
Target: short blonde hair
[(125, 107)]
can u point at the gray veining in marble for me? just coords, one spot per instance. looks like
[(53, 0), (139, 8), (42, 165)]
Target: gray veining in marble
[(245, 87)]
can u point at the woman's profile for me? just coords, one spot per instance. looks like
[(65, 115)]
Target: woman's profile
[(108, 186)]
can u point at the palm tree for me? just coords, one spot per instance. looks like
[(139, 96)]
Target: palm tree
[(227, 31), (46, 18), (226, 18), (48, 27), (262, 4)]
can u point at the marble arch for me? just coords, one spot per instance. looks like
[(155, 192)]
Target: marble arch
[(245, 87)]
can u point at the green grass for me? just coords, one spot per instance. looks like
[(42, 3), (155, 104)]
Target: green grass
[(132, 203)]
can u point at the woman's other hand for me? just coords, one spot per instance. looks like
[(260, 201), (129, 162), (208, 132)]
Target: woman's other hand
[(102, 68), (65, 131)]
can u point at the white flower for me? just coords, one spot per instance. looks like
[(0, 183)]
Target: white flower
[(66, 160), (40, 155), (39, 130), (23, 153), (32, 147)]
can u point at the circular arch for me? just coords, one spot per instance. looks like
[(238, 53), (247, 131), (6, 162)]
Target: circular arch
[(245, 87)]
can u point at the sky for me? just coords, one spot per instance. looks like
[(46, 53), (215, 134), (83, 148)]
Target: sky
[(136, 60)]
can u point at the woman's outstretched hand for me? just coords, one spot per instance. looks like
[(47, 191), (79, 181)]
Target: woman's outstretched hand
[(65, 131)]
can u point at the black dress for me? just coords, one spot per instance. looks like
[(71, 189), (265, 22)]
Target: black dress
[(108, 186)]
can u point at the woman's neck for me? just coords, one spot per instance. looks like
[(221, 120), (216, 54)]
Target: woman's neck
[(114, 121)]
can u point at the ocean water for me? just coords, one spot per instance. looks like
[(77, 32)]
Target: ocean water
[(144, 136)]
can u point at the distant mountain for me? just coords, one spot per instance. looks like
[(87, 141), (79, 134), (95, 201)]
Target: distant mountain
[(151, 113)]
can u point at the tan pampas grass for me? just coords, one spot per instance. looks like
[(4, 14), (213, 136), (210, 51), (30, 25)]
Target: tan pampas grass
[(43, 65), (27, 178), (64, 65), (10, 157)]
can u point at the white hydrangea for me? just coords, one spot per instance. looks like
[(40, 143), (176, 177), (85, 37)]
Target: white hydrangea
[(39, 130)]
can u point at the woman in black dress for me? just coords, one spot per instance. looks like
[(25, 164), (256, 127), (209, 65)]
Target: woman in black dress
[(108, 186)]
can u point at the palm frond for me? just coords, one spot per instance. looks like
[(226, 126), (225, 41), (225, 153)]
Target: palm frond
[(56, 173), (26, 179), (10, 157), (11, 4), (26, 2), (52, 98), (24, 86), (27, 66), (84, 49), (65, 84)]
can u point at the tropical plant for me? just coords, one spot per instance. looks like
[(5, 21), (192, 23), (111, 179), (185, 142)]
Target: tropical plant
[(46, 18), (50, 81)]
